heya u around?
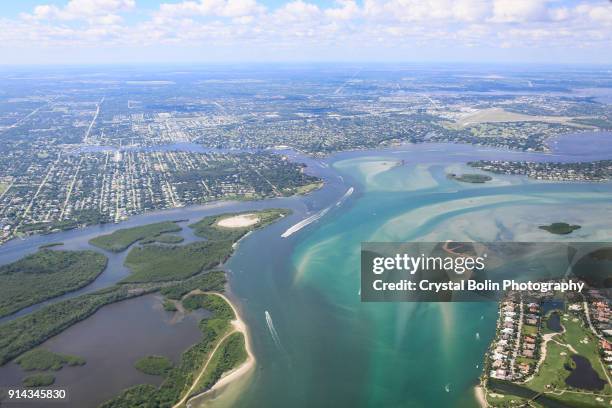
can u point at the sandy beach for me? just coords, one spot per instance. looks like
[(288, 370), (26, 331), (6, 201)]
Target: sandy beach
[(248, 364), (239, 221), (479, 393), (238, 326)]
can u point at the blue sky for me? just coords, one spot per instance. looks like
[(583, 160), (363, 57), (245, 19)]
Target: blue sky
[(148, 31)]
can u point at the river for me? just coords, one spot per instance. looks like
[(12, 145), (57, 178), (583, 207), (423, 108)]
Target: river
[(316, 344)]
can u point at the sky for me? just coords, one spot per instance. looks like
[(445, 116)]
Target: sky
[(242, 31)]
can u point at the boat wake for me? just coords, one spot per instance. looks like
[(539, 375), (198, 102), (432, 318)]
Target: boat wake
[(272, 330), (345, 196), (307, 221)]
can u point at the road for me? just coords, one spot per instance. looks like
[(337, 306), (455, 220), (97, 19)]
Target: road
[(238, 326)]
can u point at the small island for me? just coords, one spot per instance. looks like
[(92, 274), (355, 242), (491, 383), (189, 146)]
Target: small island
[(46, 274), (121, 239), (169, 306), (560, 228), (470, 178), (185, 275), (41, 360), (51, 245), (154, 365), (38, 380)]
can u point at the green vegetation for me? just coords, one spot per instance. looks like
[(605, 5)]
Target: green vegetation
[(38, 380), (174, 270), (44, 275), (529, 330), (121, 239), (229, 356), (51, 245), (559, 228), (163, 239), (602, 123), (552, 370), (223, 311), (26, 332), (41, 360), (210, 281), (3, 187), (500, 400), (157, 263), (208, 228), (194, 302), (179, 379), (143, 395), (169, 306), (471, 178), (585, 343), (154, 365), (308, 188)]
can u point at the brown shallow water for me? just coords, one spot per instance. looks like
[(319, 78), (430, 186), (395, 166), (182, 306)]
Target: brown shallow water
[(111, 341)]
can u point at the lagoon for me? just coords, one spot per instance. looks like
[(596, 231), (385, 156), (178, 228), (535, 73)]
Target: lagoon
[(315, 342)]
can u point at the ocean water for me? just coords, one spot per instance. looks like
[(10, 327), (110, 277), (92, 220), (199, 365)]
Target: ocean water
[(321, 346), (316, 343)]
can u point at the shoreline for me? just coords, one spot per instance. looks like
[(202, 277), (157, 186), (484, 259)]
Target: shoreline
[(239, 326), (232, 375), (480, 395)]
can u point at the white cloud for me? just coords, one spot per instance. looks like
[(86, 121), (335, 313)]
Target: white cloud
[(297, 10), (299, 24), (219, 8), (429, 10), (599, 13), (347, 10), (93, 11), (97, 7), (519, 11)]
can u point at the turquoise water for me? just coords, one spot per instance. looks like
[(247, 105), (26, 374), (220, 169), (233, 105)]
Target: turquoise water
[(332, 349), (316, 344)]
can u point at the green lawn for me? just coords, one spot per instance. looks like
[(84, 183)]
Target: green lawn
[(552, 371), (580, 400), (500, 400), (121, 239), (308, 188), (585, 343), (525, 360), (529, 330)]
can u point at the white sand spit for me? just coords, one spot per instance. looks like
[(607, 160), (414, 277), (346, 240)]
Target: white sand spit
[(239, 221)]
